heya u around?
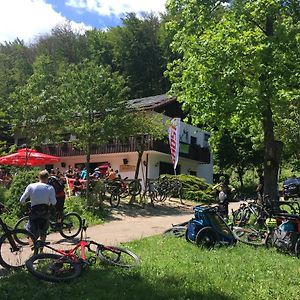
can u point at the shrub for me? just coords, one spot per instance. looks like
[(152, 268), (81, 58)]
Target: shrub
[(194, 188), (18, 185)]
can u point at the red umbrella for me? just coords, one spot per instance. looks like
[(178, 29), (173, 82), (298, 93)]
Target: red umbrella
[(28, 157)]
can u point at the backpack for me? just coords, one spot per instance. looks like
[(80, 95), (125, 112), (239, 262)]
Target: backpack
[(58, 185)]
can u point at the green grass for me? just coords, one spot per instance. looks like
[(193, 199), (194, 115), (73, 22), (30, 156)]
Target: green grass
[(174, 269)]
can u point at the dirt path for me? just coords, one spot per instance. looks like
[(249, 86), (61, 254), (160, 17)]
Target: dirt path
[(131, 223)]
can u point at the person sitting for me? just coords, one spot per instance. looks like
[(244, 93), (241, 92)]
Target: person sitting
[(83, 174), (77, 186), (111, 176), (97, 174)]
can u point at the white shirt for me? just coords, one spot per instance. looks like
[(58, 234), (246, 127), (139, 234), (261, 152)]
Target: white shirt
[(39, 193)]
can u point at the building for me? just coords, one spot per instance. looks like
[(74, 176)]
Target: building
[(194, 156)]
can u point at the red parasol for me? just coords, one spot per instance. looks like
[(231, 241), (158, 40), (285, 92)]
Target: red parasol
[(28, 157)]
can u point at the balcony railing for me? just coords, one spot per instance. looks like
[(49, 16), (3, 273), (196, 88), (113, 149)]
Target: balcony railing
[(195, 152)]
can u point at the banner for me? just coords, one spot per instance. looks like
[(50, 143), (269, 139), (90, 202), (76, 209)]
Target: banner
[(174, 141)]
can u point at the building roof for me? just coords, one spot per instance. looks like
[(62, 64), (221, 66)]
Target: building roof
[(152, 101)]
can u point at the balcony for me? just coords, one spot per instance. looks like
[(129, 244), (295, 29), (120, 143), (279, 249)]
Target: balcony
[(194, 152)]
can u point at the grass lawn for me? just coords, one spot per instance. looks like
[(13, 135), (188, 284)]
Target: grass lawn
[(173, 269)]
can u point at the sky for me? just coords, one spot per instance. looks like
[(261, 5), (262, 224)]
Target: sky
[(27, 19)]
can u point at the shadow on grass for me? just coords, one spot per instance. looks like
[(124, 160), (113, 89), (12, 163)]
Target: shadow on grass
[(105, 283)]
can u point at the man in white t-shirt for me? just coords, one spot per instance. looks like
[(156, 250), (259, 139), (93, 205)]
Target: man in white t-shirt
[(41, 195)]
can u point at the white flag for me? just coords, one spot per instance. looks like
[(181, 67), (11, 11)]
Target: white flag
[(174, 141)]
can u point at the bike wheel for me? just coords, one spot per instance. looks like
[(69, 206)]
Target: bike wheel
[(134, 188), (21, 225), (250, 236), (206, 237), (53, 267), (117, 256), (297, 248), (114, 200), (71, 225), (15, 251), (176, 231)]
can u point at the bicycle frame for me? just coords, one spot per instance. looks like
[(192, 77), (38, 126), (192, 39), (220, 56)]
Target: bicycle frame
[(6, 230), (82, 245)]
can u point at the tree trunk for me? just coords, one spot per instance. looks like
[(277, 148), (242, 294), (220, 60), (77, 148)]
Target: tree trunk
[(136, 175), (273, 149), (88, 158), (240, 173)]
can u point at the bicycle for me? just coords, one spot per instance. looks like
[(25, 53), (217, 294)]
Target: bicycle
[(14, 251), (69, 227), (66, 265)]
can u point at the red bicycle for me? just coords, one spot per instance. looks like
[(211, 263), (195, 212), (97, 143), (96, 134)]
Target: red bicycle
[(65, 265)]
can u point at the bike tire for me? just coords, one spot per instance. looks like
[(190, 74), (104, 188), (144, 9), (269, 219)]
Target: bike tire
[(114, 200), (117, 256), (250, 236), (206, 237), (21, 225), (134, 188), (71, 225), (297, 248), (10, 259), (176, 231), (53, 267)]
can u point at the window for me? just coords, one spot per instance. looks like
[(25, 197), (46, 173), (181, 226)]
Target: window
[(193, 140)]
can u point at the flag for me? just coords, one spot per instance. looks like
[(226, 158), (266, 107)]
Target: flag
[(174, 141)]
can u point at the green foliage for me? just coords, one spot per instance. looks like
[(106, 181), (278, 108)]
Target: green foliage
[(243, 61), (78, 204), (20, 181), (194, 188)]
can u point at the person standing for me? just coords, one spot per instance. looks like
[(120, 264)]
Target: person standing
[(41, 195), (59, 187)]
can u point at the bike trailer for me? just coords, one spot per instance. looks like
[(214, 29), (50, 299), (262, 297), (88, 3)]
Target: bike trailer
[(286, 234), (208, 228)]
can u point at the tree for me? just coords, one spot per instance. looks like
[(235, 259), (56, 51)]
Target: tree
[(35, 107), (146, 124), (94, 102), (137, 54), (234, 151), (235, 61)]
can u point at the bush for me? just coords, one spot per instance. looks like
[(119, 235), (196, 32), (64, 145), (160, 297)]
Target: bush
[(78, 204), (194, 188), (17, 188)]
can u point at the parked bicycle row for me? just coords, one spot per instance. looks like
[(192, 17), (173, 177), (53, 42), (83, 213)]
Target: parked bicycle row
[(269, 225), (157, 190)]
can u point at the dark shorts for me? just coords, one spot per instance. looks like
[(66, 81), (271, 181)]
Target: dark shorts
[(37, 226)]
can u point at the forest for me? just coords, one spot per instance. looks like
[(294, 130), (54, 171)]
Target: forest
[(233, 66)]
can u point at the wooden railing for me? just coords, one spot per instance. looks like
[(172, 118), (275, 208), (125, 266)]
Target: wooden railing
[(131, 145)]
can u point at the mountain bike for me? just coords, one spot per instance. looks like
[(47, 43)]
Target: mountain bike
[(14, 249), (65, 265), (69, 227)]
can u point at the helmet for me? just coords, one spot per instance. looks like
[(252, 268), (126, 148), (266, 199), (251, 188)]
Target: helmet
[(222, 196), (271, 222)]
